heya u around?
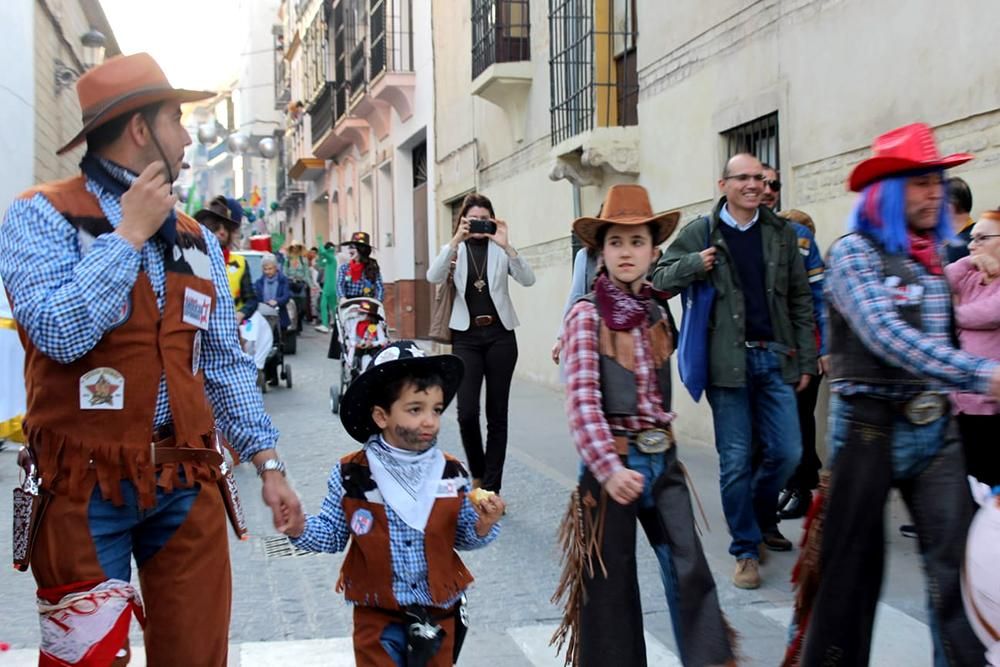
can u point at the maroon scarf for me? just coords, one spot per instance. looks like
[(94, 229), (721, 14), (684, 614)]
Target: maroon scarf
[(619, 309), (924, 250)]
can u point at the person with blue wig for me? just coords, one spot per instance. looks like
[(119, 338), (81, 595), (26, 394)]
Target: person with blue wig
[(892, 363)]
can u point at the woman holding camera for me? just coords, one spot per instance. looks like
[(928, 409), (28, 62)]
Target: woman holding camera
[(478, 259)]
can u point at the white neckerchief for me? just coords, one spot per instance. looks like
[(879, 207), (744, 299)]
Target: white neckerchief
[(407, 480)]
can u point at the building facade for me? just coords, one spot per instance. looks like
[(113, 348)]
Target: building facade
[(543, 104), (358, 95)]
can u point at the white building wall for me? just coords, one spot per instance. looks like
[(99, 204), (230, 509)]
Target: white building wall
[(17, 99)]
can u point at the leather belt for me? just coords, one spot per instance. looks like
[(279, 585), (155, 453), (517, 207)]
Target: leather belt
[(774, 346), (649, 441), (483, 320), (924, 408), (164, 451)]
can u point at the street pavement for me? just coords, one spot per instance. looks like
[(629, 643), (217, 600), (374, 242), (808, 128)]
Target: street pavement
[(286, 612)]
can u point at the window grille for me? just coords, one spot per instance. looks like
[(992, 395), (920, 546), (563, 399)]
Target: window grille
[(500, 33), (758, 137)]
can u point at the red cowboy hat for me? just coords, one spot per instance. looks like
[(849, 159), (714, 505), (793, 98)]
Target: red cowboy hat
[(120, 85), (907, 148)]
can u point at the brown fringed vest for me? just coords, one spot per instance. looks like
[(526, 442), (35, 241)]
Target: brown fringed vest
[(366, 577), (69, 436)]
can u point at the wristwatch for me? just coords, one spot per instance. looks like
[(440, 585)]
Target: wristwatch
[(271, 464)]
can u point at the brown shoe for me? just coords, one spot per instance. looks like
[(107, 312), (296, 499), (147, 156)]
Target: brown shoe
[(775, 541), (747, 574)]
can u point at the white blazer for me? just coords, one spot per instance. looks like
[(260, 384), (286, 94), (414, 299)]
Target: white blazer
[(498, 266)]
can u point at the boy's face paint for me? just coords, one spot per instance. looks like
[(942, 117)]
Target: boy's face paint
[(413, 420)]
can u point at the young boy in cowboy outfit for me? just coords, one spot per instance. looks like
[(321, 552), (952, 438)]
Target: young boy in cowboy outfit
[(617, 343), (891, 365), (401, 508)]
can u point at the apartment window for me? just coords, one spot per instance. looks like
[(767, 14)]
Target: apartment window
[(758, 137), (356, 15), (592, 63), (391, 37), (315, 55), (340, 62), (500, 33)]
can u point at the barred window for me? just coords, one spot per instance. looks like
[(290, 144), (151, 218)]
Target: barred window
[(500, 33), (759, 138)]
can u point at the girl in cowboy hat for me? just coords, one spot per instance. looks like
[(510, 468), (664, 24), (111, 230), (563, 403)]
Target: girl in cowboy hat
[(361, 276), (402, 507), (617, 344)]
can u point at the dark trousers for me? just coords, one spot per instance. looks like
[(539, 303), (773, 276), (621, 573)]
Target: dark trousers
[(979, 440), (489, 353), (806, 475), (853, 542)]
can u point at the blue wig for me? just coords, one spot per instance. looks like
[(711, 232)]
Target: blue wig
[(880, 213)]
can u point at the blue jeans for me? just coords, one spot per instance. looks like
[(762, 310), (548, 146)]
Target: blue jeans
[(765, 405), (393, 640), (120, 532)]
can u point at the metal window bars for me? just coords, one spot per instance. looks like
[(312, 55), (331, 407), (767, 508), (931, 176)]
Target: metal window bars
[(321, 112), (501, 33), (759, 137), (391, 36), (341, 92), (592, 65)]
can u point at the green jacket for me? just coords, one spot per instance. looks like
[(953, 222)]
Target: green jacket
[(789, 297), (326, 261)]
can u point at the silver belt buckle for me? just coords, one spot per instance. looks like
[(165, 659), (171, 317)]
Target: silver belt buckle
[(925, 408), (654, 441)]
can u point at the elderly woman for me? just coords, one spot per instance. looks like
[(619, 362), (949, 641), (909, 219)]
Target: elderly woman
[(482, 326), (273, 291), (975, 285)]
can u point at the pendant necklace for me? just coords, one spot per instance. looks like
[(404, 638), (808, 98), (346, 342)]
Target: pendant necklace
[(479, 283)]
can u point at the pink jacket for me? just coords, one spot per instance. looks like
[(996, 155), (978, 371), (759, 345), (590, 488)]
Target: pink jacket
[(977, 316)]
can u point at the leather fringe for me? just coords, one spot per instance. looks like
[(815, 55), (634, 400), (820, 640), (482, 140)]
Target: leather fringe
[(581, 533), (807, 570)]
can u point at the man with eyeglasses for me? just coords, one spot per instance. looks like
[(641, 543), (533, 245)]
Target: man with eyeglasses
[(761, 350), (890, 424)]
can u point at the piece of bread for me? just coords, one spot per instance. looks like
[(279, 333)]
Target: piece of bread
[(479, 495)]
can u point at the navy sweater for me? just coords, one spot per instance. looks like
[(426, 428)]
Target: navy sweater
[(747, 251)]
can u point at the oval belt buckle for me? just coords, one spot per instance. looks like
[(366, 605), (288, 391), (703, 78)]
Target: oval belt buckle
[(653, 441), (925, 408)]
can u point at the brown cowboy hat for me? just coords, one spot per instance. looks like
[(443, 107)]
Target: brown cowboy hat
[(908, 148), (626, 205), (221, 209), (120, 85)]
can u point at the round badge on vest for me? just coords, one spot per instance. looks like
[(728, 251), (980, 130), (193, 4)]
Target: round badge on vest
[(102, 389), (362, 522)]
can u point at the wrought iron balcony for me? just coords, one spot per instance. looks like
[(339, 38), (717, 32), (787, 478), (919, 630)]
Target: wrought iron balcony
[(358, 64), (391, 37), (321, 112), (500, 33)]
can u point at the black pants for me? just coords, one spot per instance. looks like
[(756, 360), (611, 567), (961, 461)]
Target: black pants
[(979, 440), (806, 475), (490, 353), (853, 543)]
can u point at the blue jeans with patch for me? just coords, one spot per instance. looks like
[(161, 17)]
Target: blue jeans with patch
[(121, 532), (764, 406)]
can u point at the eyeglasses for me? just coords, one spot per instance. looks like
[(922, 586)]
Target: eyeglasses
[(743, 178), (981, 238), (774, 185)]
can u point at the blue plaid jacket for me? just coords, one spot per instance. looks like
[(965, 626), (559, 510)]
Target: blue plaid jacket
[(66, 296)]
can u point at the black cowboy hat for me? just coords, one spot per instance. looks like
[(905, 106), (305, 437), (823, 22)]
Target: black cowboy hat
[(359, 238), (395, 361), (221, 209)]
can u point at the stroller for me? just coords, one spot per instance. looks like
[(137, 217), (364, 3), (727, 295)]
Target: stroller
[(264, 333), (363, 332)]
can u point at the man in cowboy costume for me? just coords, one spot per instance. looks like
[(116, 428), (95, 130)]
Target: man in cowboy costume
[(892, 364), (123, 307), (223, 216)]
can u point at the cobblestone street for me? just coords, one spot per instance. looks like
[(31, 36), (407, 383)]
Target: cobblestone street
[(286, 612)]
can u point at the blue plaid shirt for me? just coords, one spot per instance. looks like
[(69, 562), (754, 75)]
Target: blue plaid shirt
[(66, 300), (348, 289), (329, 531), (855, 285)]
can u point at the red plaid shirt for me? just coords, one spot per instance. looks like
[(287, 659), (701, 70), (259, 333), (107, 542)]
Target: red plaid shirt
[(590, 428)]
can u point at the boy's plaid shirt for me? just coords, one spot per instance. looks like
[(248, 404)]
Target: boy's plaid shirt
[(590, 428)]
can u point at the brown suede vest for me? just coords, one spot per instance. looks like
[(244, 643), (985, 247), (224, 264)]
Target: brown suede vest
[(366, 577), (70, 440)]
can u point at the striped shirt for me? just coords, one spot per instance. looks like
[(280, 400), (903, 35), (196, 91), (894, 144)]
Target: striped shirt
[(855, 286), (66, 297), (329, 531), (589, 426)]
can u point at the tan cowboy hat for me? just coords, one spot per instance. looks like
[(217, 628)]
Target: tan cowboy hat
[(626, 205), (120, 85)]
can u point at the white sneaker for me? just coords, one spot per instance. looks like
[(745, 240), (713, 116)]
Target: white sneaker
[(322, 329)]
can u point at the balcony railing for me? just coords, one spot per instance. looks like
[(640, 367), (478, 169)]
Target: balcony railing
[(592, 66), (391, 36), (321, 113), (500, 33), (358, 73)]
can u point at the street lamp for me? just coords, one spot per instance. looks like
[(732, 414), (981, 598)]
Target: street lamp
[(93, 42)]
